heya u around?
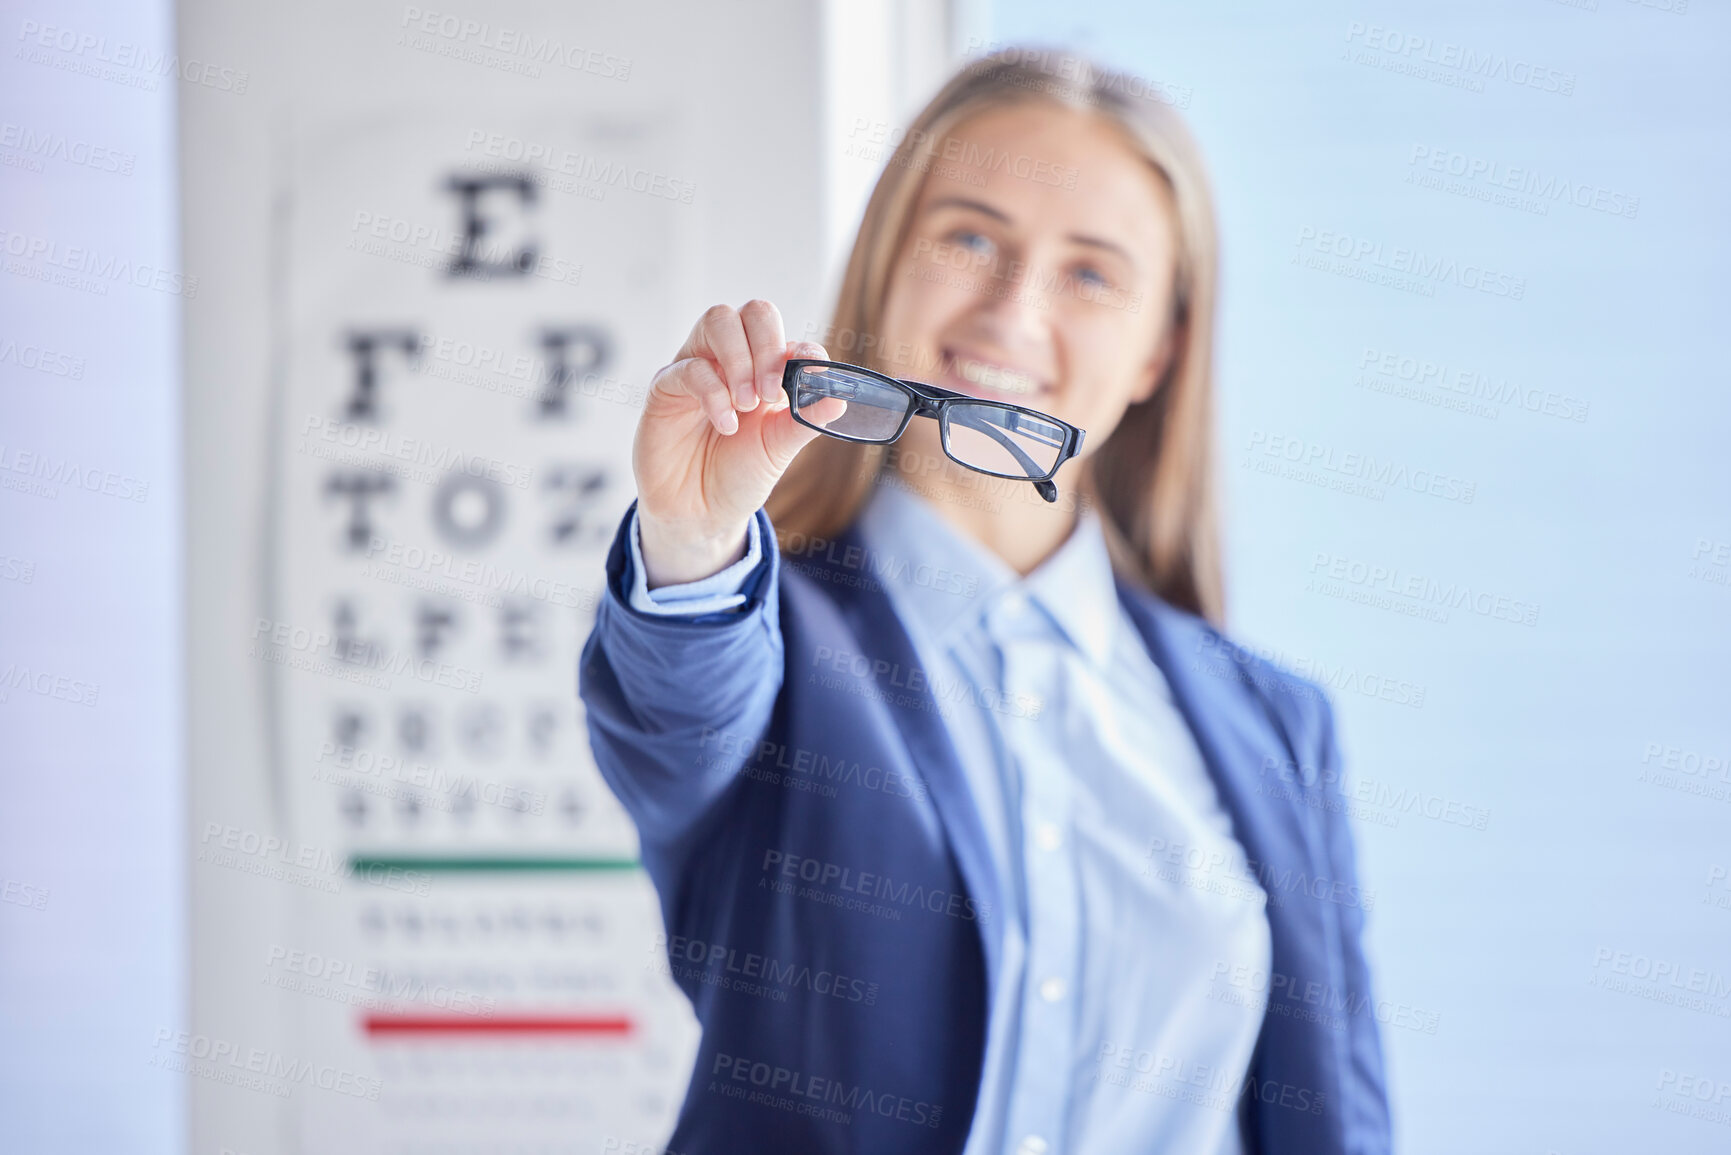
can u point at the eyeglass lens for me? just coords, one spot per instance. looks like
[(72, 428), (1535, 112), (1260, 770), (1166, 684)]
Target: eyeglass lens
[(874, 409), (1008, 442)]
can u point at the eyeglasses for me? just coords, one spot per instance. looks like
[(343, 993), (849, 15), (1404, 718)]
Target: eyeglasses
[(989, 437)]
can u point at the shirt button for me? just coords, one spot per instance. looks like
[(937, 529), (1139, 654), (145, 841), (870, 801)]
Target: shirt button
[(1032, 1145), (1047, 836), (1015, 603), (1052, 990)]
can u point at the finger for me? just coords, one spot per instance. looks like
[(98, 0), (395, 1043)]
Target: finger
[(696, 378), (721, 337), (784, 437), (768, 341), (808, 350)]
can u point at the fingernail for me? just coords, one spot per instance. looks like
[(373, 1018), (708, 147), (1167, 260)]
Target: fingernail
[(731, 424)]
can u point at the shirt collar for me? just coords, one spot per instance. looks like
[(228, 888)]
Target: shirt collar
[(945, 581)]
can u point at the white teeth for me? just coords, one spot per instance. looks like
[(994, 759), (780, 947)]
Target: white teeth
[(995, 376)]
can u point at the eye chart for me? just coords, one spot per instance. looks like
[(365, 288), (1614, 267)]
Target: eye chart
[(464, 318)]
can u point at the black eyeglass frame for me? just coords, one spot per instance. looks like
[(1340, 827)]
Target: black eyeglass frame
[(934, 402)]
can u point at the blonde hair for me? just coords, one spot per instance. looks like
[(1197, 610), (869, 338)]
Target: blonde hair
[(1153, 478)]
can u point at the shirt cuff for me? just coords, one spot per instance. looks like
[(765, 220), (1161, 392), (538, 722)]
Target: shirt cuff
[(717, 592)]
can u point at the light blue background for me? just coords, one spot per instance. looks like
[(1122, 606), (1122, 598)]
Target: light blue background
[(91, 798), (1545, 726)]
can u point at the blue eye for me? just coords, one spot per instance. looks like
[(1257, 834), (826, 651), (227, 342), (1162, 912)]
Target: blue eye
[(1093, 276), (971, 241)]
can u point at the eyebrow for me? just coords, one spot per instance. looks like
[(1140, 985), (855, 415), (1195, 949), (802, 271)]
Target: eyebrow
[(1000, 215)]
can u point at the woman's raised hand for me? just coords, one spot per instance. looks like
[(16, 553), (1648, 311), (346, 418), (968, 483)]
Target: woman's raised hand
[(715, 436)]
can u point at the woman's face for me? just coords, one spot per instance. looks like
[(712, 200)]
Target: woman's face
[(1037, 270)]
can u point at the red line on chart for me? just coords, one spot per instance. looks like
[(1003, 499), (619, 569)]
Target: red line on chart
[(388, 1024)]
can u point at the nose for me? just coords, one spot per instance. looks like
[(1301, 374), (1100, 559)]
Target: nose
[(1015, 310)]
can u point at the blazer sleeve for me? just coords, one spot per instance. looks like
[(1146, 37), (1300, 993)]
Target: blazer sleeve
[(1364, 1098), (674, 705)]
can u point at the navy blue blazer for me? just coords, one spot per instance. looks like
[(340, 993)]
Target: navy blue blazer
[(825, 884)]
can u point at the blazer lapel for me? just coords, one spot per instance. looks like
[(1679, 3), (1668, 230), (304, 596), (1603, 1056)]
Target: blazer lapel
[(1237, 735), (880, 634)]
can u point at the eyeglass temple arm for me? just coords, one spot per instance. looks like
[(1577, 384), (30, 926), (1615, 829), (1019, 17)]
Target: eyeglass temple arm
[(1045, 488), (931, 392)]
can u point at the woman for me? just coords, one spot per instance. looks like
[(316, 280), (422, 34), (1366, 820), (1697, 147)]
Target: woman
[(971, 833)]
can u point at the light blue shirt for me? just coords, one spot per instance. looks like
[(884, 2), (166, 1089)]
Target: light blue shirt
[(1127, 896)]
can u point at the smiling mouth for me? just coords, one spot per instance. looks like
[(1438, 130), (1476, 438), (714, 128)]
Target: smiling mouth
[(994, 378)]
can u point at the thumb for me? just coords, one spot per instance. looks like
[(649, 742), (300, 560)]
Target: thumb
[(796, 350), (785, 437)]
